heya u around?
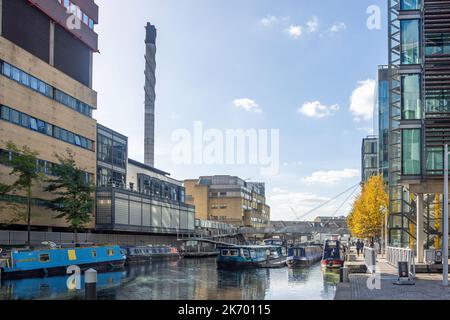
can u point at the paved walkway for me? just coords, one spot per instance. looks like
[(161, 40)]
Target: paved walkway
[(427, 286)]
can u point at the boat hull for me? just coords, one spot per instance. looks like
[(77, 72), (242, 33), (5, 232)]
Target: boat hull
[(62, 270), (298, 263), (133, 260), (236, 265)]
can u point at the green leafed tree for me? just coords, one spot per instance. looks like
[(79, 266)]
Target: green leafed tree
[(24, 166), (74, 194)]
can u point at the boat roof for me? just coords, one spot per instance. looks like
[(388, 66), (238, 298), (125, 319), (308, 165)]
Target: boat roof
[(232, 246)]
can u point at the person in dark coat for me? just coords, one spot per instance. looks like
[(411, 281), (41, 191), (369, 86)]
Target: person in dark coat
[(358, 247)]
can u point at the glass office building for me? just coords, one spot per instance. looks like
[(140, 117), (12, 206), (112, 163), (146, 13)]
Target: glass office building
[(419, 120)]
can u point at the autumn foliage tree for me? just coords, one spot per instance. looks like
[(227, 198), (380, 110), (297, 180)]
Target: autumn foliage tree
[(366, 219)]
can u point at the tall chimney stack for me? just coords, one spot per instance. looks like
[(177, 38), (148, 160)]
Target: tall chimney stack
[(150, 95)]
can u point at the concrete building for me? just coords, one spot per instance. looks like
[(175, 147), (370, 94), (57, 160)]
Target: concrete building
[(369, 158), (46, 96), (419, 120), (150, 95), (228, 199)]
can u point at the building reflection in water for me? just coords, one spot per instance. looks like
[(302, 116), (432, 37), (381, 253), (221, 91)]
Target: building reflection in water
[(186, 279), (52, 287)]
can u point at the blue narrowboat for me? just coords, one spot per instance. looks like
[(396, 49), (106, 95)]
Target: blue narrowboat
[(303, 256), (22, 263), (144, 254), (237, 257), (333, 255)]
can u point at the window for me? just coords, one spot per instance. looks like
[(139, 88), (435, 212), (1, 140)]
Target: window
[(437, 101), (110, 252), (33, 124), (24, 79), (7, 70), (25, 121), (15, 73), (5, 113), (77, 140), (410, 41), (14, 117), (411, 164), (41, 126), (411, 102), (409, 4), (49, 130), (245, 254), (94, 253), (34, 83), (435, 160), (44, 258)]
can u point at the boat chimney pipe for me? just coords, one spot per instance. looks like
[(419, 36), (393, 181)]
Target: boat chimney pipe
[(90, 284)]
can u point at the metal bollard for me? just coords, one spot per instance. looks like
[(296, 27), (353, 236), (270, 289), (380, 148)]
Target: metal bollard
[(90, 284)]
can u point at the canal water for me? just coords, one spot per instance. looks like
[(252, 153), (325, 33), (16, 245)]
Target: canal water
[(186, 279)]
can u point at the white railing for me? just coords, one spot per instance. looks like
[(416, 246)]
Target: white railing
[(370, 259), (395, 255)]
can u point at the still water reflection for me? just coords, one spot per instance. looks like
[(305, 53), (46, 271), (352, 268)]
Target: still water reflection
[(187, 279)]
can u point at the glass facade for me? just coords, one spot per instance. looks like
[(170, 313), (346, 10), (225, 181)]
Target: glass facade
[(410, 4), (410, 41), (411, 155), (435, 160), (411, 102), (112, 157)]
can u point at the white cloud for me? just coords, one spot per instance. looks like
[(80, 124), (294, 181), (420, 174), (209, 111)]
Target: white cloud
[(338, 27), (295, 31), (288, 205), (313, 24), (315, 109), (247, 104), (269, 20), (331, 177), (362, 100)]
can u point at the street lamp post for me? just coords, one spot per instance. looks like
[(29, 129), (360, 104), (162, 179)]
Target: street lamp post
[(445, 227)]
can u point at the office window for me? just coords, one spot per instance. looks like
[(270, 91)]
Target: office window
[(41, 126), (411, 102), (409, 4), (437, 44), (63, 134), (49, 130), (24, 79), (411, 144), (435, 160), (5, 113), (33, 83), (15, 73), (6, 69), (410, 41), (33, 124), (25, 121), (15, 117), (77, 140)]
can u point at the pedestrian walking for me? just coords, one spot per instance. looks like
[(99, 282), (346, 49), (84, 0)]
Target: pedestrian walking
[(358, 247)]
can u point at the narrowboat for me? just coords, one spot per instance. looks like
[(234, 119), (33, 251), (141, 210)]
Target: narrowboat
[(241, 257), (303, 256), (25, 263), (333, 254), (144, 254)]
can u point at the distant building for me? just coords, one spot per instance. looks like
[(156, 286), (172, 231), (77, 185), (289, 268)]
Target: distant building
[(369, 158), (228, 199)]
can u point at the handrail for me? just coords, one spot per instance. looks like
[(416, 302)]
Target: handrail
[(395, 255)]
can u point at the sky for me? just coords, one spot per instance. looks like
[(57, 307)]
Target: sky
[(305, 68)]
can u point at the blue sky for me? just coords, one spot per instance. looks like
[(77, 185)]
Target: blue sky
[(307, 66)]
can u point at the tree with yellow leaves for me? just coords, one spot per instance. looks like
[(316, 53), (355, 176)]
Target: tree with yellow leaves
[(366, 219)]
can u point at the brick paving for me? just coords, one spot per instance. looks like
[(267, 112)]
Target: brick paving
[(427, 286)]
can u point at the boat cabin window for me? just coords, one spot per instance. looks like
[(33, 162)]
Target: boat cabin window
[(230, 253), (44, 258), (110, 252), (94, 253), (72, 255), (245, 254)]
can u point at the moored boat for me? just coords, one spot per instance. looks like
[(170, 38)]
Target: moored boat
[(144, 254), (333, 255), (240, 257), (303, 256), (26, 263)]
